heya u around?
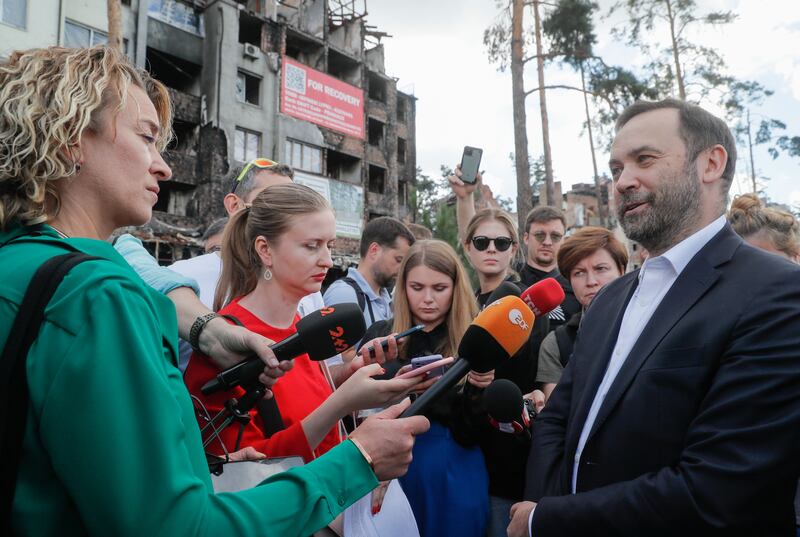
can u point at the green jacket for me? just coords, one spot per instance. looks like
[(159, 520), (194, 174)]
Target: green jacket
[(111, 444)]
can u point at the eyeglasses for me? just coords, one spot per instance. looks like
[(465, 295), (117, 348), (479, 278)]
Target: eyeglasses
[(262, 163), (541, 236), (501, 243)]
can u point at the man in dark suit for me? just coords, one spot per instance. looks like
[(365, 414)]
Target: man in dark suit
[(679, 412)]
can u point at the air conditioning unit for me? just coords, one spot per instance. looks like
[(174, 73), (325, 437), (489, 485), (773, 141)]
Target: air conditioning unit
[(251, 51)]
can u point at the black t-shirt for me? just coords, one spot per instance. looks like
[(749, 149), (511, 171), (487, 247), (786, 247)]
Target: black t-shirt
[(506, 454), (529, 275)]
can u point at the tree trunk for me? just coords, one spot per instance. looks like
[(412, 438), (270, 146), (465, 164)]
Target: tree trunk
[(114, 24), (752, 160), (675, 55), (521, 162), (601, 210), (548, 159)]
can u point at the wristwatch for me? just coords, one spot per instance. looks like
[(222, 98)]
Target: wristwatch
[(197, 327)]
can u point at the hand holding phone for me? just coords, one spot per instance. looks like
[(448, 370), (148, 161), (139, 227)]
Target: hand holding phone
[(385, 342), (432, 366)]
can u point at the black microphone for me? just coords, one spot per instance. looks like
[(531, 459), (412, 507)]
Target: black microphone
[(496, 334), (507, 411), (320, 334)]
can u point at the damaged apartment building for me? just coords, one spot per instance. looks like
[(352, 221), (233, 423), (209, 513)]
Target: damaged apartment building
[(302, 82)]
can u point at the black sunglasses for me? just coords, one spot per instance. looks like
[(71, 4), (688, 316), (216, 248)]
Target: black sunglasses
[(501, 243)]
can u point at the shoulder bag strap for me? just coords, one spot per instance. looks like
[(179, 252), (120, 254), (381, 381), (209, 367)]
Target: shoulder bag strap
[(13, 378)]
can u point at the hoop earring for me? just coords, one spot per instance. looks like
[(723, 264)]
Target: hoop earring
[(267, 274)]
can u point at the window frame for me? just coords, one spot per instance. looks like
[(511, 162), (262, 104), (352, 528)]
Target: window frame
[(24, 26), (289, 156), (247, 133), (246, 75)]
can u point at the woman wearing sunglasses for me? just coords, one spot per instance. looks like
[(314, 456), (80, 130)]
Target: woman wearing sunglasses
[(447, 482), (491, 243)]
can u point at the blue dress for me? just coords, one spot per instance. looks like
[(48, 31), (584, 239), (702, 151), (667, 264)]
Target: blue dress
[(447, 486)]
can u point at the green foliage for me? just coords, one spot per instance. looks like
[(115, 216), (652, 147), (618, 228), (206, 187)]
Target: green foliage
[(569, 27), (423, 196), (570, 30)]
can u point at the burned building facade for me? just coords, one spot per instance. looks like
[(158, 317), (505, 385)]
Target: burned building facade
[(302, 82)]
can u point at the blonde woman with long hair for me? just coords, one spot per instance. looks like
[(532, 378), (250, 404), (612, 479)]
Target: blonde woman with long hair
[(448, 467)]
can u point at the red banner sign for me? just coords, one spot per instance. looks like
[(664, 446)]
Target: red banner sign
[(319, 98)]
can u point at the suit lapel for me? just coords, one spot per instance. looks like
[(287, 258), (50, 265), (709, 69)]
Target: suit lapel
[(608, 320), (695, 280)]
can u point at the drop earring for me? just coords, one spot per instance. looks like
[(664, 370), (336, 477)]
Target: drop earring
[(267, 274)]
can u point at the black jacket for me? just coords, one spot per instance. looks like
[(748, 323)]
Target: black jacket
[(698, 434)]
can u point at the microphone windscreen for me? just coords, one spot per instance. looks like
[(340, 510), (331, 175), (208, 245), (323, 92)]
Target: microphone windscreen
[(504, 289), (543, 296), (503, 401), (331, 330), (496, 334)]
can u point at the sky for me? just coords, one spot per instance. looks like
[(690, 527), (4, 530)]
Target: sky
[(436, 51)]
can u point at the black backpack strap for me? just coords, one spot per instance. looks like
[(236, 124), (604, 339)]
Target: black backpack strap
[(565, 337), (267, 408), (361, 297), (14, 410)]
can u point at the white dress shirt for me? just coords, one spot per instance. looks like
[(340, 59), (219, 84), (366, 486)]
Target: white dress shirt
[(655, 279)]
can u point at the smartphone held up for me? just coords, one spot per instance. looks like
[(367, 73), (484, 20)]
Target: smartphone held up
[(470, 164)]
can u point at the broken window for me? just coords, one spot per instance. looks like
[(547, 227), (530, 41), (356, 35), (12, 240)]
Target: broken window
[(173, 71), (375, 129), (401, 151), (249, 29), (401, 110), (246, 145), (377, 87), (377, 179), (247, 88), (343, 167), (402, 193), (303, 156)]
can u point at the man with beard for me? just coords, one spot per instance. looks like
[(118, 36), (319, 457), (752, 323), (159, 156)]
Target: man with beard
[(384, 244), (678, 413)]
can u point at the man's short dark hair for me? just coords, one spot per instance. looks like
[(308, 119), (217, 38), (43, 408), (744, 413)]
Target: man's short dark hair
[(542, 214), (384, 231), (698, 129), (248, 183)]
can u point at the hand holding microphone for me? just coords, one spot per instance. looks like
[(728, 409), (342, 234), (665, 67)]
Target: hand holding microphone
[(321, 334), (496, 334)]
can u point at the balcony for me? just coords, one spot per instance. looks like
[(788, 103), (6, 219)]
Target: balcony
[(185, 107)]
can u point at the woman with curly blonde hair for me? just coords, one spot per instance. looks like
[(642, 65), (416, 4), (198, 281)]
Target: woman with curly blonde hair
[(108, 443)]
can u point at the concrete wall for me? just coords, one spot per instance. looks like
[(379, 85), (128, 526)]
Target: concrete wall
[(259, 118), (347, 37)]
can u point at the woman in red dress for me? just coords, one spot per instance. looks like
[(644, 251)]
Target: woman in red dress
[(275, 252)]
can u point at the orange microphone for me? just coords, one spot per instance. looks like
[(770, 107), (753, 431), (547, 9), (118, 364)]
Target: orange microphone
[(496, 334)]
